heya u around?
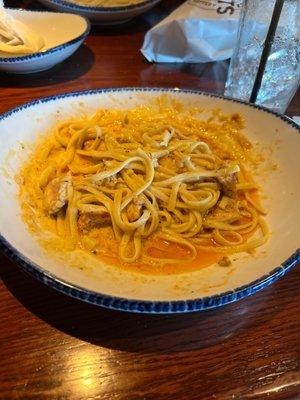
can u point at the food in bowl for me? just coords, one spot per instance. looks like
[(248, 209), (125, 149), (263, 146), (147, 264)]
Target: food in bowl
[(106, 3), (113, 13), (158, 189), (16, 37)]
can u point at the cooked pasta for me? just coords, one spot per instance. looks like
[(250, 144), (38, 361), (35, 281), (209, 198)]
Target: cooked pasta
[(106, 3), (142, 176)]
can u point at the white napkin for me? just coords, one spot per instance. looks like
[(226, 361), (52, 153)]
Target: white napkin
[(16, 38), (197, 31)]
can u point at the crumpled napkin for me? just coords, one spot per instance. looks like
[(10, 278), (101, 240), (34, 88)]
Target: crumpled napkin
[(197, 31), (16, 38)]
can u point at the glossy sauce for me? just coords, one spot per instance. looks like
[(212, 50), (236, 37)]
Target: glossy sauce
[(107, 251)]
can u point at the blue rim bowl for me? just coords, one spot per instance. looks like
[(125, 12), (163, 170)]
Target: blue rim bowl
[(140, 306), (52, 50)]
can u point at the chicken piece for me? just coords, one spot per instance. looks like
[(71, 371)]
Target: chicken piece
[(134, 210), (56, 194), (228, 184), (93, 220)]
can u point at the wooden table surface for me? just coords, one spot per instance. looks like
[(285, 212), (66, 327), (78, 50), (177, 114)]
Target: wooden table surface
[(54, 347)]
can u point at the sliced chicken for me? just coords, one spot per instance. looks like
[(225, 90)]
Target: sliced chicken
[(56, 194), (228, 184), (93, 219)]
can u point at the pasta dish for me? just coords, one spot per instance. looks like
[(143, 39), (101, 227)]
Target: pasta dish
[(146, 185), (106, 3)]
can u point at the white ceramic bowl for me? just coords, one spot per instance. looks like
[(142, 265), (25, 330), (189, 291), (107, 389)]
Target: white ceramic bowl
[(102, 15), (63, 34), (124, 290)]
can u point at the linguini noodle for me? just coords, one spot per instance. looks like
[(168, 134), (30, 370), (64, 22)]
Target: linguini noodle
[(143, 176)]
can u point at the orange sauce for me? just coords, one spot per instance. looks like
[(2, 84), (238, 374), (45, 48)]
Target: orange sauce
[(156, 248)]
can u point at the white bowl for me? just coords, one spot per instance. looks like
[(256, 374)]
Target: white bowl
[(102, 15), (63, 34), (112, 287)]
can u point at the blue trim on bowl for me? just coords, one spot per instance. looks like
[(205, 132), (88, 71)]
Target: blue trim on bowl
[(101, 10), (133, 305), (55, 49)]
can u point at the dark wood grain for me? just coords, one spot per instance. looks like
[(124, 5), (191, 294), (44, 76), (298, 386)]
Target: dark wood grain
[(54, 347)]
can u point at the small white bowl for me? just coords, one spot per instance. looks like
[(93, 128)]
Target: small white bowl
[(62, 33), (102, 15)]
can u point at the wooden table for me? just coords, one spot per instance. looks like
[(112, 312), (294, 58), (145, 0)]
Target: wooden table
[(54, 347)]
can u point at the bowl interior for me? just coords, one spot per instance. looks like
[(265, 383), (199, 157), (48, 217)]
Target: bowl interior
[(102, 15), (281, 143), (55, 28), (67, 4)]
